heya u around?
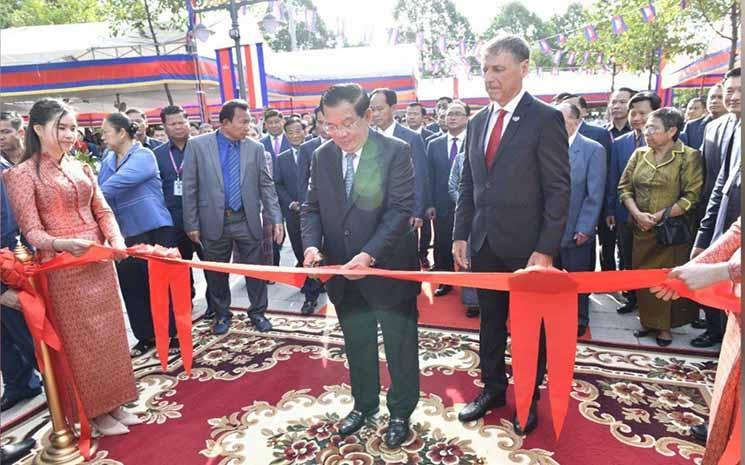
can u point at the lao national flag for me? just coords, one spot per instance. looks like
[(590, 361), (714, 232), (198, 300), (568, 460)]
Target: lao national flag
[(562, 39), (648, 13), (585, 58), (545, 47), (590, 33), (557, 57), (572, 58), (683, 4), (618, 25)]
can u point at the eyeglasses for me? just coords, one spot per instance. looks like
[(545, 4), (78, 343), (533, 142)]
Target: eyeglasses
[(346, 128), (652, 129)]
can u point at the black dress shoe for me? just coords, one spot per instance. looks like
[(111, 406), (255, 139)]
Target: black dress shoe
[(10, 453), (706, 340), (309, 306), (443, 290), (664, 342), (8, 403), (261, 323), (398, 431), (354, 421), (472, 311), (478, 408), (626, 308), (699, 323), (530, 425), (700, 432)]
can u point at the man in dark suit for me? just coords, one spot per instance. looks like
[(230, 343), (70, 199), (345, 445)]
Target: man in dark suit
[(513, 203), (358, 212), (440, 107), (286, 179), (640, 106), (441, 153), (275, 143), (381, 105), (694, 130), (305, 153), (415, 113), (618, 104), (415, 118), (723, 206), (139, 117)]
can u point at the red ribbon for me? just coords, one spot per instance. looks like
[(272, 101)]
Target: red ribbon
[(536, 297)]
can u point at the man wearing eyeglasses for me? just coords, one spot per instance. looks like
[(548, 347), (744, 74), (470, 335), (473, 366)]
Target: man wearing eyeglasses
[(441, 153), (359, 204)]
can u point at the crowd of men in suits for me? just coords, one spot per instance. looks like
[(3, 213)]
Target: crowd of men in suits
[(519, 183)]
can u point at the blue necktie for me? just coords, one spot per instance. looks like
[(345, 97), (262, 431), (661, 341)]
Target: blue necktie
[(349, 173), (453, 150), (234, 175)]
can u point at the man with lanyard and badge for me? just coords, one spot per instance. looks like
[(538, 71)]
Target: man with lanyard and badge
[(170, 157)]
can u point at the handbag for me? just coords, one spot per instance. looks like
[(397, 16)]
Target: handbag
[(672, 230)]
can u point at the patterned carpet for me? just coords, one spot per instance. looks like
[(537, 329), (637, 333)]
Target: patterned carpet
[(275, 399)]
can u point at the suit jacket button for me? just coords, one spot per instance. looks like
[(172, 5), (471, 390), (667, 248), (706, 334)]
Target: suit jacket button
[(347, 233)]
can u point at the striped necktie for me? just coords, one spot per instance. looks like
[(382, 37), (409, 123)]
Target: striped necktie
[(349, 172)]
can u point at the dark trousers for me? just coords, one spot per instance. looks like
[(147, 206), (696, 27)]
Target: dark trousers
[(443, 252), (625, 252), (135, 285), (311, 287), (493, 331), (187, 249), (235, 233), (359, 323), (579, 259), (607, 239), (17, 360), (425, 238)]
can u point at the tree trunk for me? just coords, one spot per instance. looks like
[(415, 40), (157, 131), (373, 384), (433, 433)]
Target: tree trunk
[(157, 46), (734, 16)]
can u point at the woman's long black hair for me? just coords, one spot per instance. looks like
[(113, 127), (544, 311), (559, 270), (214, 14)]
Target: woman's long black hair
[(41, 113)]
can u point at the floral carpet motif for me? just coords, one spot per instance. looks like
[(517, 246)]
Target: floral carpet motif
[(276, 398)]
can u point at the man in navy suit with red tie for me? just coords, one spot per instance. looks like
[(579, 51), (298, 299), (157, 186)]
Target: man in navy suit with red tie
[(513, 202)]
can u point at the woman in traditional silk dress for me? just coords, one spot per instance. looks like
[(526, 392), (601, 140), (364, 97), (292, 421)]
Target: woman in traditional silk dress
[(720, 262), (665, 175), (59, 208)]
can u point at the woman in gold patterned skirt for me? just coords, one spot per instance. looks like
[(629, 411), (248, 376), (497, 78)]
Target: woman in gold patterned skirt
[(664, 176), (59, 208)]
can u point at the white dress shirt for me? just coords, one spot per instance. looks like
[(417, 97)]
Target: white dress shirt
[(461, 137), (355, 162), (572, 137), (389, 131), (494, 114)]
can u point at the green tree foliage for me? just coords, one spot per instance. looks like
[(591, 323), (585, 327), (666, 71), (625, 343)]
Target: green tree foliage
[(15, 13), (305, 39), (720, 16), (435, 19), (638, 48)]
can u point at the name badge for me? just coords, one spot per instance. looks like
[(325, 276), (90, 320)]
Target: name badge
[(178, 188)]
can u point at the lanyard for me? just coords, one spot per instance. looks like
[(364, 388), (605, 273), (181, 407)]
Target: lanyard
[(173, 162)]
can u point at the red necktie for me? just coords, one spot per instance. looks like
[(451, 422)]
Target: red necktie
[(494, 139)]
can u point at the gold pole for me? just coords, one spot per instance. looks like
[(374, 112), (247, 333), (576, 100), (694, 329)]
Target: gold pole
[(62, 448)]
